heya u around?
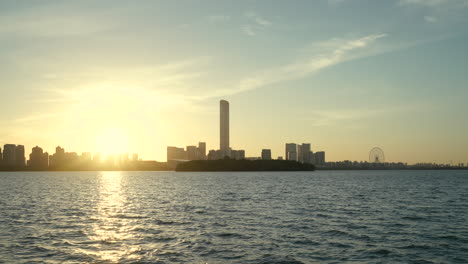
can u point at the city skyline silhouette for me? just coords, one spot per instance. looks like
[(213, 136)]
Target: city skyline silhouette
[(297, 157), (105, 80)]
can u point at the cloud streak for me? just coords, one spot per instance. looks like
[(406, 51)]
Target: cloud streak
[(423, 2), (430, 19), (256, 23), (434, 3), (325, 55)]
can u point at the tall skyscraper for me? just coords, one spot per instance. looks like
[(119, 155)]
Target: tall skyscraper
[(224, 128), (38, 159), (1, 156), (9, 155), (191, 152), (201, 150), (57, 160), (305, 153), (291, 151), (320, 158), (20, 156)]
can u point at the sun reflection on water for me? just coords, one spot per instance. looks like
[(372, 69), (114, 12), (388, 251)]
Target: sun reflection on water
[(111, 231)]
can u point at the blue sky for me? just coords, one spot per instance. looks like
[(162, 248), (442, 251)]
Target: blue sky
[(343, 75)]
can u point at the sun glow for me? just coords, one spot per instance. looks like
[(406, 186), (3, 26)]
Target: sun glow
[(117, 117), (112, 141)]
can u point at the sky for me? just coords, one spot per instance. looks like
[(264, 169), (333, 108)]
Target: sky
[(116, 76)]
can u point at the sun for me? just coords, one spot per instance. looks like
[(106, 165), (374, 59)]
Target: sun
[(112, 141)]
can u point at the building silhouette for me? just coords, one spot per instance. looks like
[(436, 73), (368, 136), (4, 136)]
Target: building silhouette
[(192, 152), (320, 158), (201, 150), (38, 160), (175, 153), (20, 156), (9, 155), (305, 154), (238, 154), (224, 128), (291, 151), (301, 153), (1, 156), (266, 154), (57, 159)]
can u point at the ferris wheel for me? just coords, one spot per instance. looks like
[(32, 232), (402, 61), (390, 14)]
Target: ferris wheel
[(376, 155)]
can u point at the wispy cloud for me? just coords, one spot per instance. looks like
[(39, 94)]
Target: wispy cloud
[(434, 3), (422, 2), (258, 19), (430, 19), (324, 55), (249, 30), (255, 24), (161, 88), (169, 76)]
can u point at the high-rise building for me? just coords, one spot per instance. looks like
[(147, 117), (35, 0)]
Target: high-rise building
[(320, 158), (57, 160), (224, 128), (305, 153), (59, 150), (213, 155), (135, 157), (291, 151), (266, 154), (38, 159), (1, 156), (191, 152), (201, 151), (9, 155), (238, 154), (312, 158), (175, 153), (20, 156)]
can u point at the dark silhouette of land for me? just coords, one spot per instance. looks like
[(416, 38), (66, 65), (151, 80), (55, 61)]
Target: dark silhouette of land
[(244, 165), (146, 165)]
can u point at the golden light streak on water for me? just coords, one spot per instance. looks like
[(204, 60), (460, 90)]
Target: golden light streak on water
[(111, 230)]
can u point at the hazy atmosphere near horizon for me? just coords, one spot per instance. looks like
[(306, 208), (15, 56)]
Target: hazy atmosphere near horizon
[(137, 76)]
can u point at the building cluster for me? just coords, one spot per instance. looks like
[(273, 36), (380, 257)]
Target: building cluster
[(189, 153), (301, 153), (304, 154), (13, 158), (176, 155), (365, 165)]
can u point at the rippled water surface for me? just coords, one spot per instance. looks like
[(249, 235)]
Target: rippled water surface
[(271, 217)]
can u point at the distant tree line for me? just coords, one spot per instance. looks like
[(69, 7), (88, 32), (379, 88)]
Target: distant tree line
[(244, 165)]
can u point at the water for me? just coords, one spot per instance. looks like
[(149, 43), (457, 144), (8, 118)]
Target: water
[(270, 217)]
